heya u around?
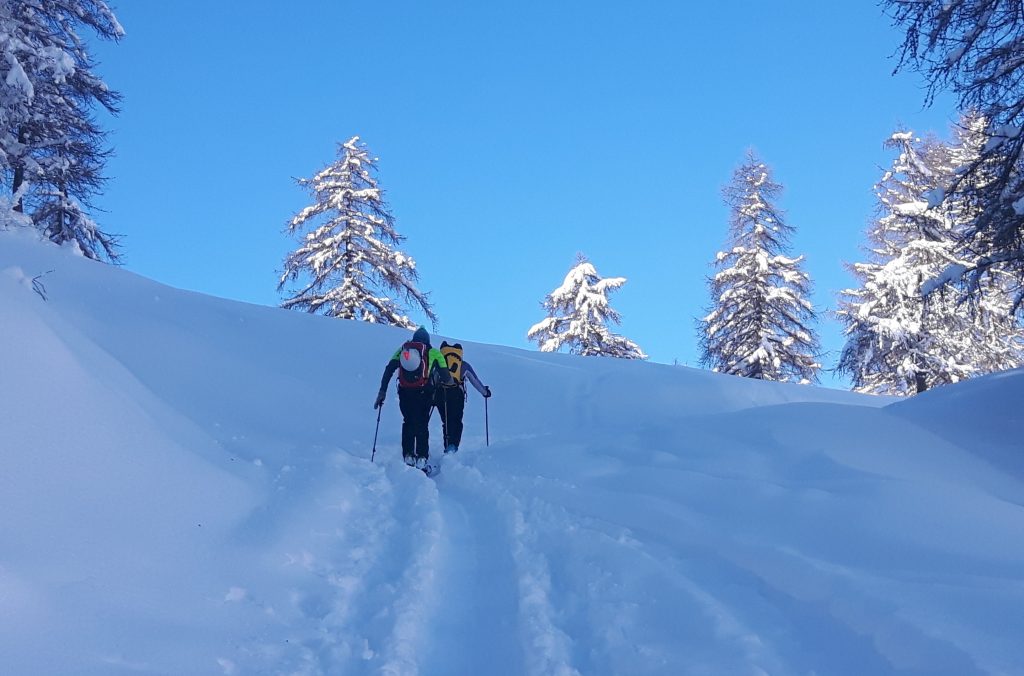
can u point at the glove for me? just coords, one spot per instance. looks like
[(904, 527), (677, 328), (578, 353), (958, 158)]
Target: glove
[(380, 399), (487, 392)]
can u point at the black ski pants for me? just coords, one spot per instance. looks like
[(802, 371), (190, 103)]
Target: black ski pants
[(451, 404), (415, 406)]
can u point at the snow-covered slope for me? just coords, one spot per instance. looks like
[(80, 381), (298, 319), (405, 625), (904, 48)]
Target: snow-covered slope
[(187, 489)]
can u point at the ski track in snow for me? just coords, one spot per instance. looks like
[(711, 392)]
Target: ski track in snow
[(479, 572), (390, 581), (844, 616), (546, 648), (438, 565), (484, 570), (454, 556), (616, 617), (472, 632), (362, 588), (415, 594)]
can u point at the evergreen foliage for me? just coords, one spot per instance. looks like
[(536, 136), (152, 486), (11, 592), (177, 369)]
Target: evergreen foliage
[(759, 322), (973, 47), (52, 150), (901, 339), (347, 264), (578, 314)]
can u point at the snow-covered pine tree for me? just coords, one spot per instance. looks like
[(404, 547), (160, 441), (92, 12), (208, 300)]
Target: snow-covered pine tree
[(52, 150), (347, 265), (990, 336), (759, 322), (578, 315), (900, 341), (973, 47), (893, 344)]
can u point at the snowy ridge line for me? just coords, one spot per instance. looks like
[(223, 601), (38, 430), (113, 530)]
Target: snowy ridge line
[(416, 601), (546, 645)]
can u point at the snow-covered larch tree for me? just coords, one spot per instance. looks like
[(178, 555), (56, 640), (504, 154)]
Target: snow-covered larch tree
[(973, 48), (899, 340), (348, 265), (52, 150), (759, 322), (995, 340), (578, 315)]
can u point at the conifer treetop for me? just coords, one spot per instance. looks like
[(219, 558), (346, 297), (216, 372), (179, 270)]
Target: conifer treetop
[(758, 324), (578, 316), (348, 255)]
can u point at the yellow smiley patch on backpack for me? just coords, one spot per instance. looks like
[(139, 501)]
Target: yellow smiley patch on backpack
[(453, 357)]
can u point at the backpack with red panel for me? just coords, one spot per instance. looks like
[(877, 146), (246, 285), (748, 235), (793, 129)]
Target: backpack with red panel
[(413, 365)]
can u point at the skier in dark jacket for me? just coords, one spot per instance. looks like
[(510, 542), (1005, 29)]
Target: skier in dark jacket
[(451, 399), (420, 369)]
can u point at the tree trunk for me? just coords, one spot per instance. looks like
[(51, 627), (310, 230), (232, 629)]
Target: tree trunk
[(19, 173)]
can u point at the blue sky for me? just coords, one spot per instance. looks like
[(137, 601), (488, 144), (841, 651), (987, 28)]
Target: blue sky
[(510, 136)]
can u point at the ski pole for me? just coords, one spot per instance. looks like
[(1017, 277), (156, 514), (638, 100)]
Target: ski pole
[(487, 423), (446, 428), (379, 409)]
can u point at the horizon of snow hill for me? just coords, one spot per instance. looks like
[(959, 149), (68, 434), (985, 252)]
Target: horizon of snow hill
[(187, 488)]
